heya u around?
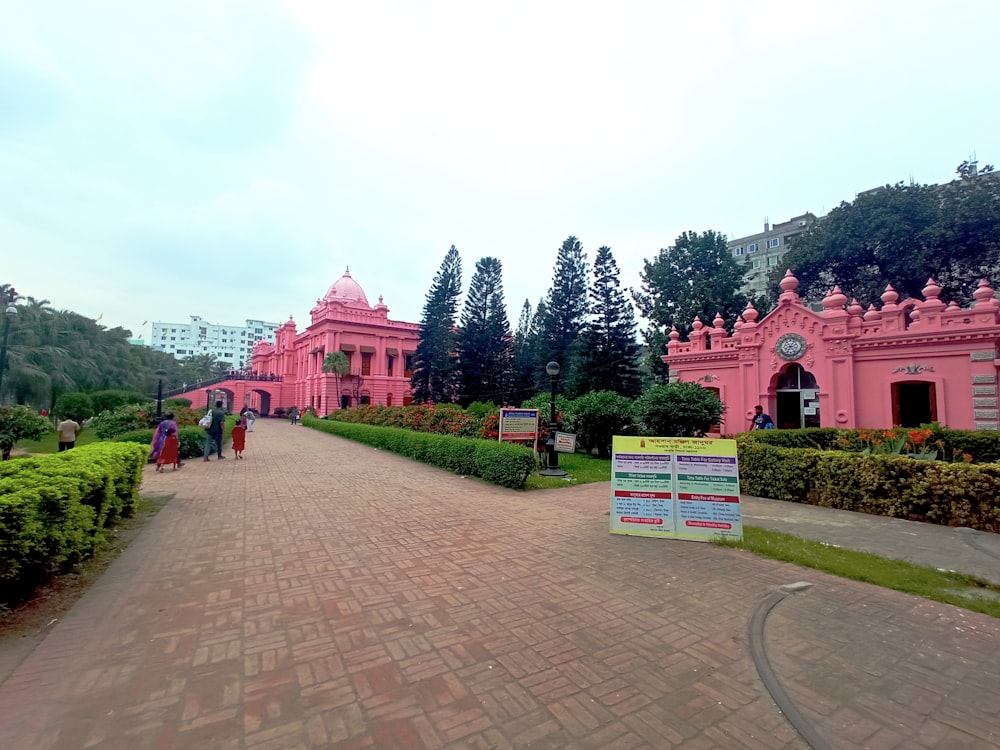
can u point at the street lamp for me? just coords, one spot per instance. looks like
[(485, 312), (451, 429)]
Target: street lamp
[(553, 470), (9, 314), (160, 374)]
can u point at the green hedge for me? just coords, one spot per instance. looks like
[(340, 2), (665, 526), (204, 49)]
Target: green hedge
[(953, 494), (981, 447), (54, 509), (499, 463)]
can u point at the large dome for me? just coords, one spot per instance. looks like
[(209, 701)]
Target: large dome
[(346, 290)]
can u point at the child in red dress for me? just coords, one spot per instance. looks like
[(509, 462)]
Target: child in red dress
[(239, 436), (170, 452)]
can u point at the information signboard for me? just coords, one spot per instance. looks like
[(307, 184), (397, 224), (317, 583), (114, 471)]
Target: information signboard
[(565, 442), (681, 488), (518, 425)]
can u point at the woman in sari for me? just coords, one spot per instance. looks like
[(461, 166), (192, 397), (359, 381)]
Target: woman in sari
[(160, 434)]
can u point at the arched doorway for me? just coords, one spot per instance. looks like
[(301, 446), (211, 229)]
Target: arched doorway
[(914, 403), (797, 399)]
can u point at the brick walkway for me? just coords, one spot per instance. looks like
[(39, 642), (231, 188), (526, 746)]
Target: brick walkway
[(320, 594)]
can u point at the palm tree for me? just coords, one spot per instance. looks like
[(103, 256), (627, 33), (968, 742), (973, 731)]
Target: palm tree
[(339, 365)]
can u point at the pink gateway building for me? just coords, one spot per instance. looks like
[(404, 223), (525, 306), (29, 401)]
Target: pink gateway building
[(289, 372), (905, 363)]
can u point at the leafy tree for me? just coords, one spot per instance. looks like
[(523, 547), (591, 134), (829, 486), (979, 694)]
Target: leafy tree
[(598, 416), (565, 313), (694, 277), (678, 410), (201, 367), (902, 235), (112, 399), (20, 423), (434, 378), (609, 359), (339, 365), (484, 343), (76, 405), (53, 351)]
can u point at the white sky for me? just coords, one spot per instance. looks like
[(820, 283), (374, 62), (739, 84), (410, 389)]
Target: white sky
[(231, 158)]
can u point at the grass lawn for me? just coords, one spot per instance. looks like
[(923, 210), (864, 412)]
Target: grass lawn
[(581, 469), (50, 442), (950, 588)]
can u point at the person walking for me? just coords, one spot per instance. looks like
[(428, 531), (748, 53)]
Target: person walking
[(213, 437), (293, 414), (239, 436), (159, 435), (170, 451), (68, 429), (251, 417)]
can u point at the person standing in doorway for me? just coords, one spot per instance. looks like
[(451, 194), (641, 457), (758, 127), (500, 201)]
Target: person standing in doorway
[(68, 429), (213, 437), (760, 420)]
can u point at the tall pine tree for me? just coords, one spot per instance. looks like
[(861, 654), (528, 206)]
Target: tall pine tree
[(609, 358), (525, 355), (565, 313), (435, 372), (485, 345)]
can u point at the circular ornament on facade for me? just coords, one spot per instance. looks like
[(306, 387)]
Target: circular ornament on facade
[(790, 346)]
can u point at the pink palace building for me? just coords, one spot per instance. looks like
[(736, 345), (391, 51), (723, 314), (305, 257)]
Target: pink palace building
[(290, 371), (379, 350), (905, 363)]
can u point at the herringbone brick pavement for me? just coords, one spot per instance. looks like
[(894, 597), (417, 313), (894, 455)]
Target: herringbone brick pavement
[(322, 594)]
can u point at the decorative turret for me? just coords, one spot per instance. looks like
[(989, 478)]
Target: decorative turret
[(932, 294), (889, 298), (872, 315), (788, 286), (750, 313), (834, 301), (985, 296), (674, 337)]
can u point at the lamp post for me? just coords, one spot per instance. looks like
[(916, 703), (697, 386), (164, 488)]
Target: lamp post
[(160, 374), (553, 470), (9, 313)]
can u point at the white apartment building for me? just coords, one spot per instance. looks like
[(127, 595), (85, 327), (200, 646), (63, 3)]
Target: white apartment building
[(229, 343), (761, 253)]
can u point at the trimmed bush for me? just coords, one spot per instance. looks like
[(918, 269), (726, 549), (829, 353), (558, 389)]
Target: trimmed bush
[(953, 494), (499, 463), (960, 446), (54, 510)]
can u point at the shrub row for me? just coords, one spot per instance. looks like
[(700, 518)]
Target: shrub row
[(54, 509), (981, 447), (499, 463), (952, 494)]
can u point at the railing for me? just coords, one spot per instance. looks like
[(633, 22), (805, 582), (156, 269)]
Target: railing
[(205, 384)]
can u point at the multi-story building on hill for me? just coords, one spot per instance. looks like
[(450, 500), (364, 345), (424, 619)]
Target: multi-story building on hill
[(760, 253), (229, 343)]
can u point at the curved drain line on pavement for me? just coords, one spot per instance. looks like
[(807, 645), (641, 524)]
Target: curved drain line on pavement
[(758, 651)]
